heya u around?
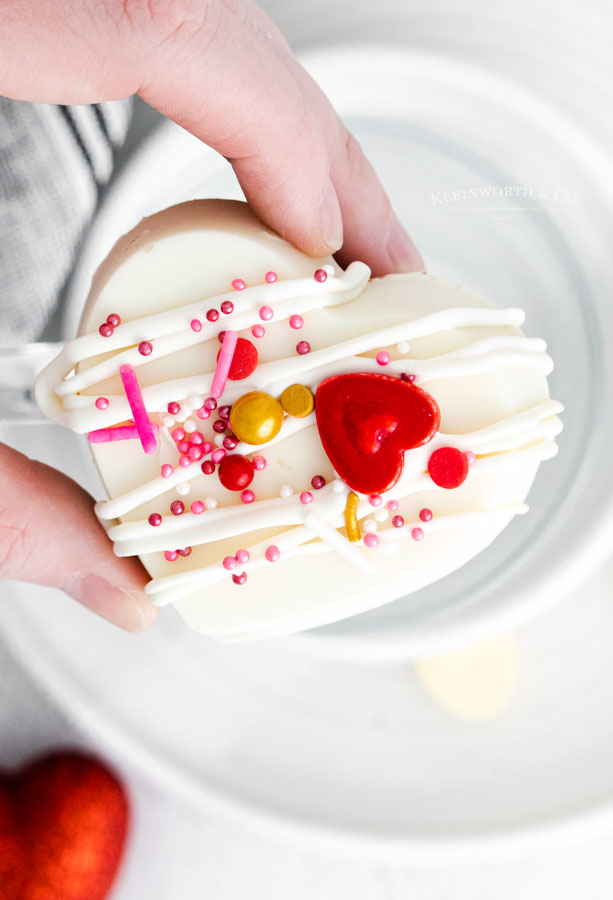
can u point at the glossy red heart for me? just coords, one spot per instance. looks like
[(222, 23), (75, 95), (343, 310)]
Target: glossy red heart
[(367, 422), (63, 824)]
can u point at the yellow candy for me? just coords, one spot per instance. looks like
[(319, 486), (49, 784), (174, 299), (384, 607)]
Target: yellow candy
[(256, 417), (298, 401)]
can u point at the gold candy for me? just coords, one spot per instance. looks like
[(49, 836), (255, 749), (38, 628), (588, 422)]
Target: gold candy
[(256, 417), (298, 401)]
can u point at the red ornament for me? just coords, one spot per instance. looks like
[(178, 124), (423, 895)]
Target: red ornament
[(244, 361), (235, 472), (366, 423), (63, 824), (448, 467)]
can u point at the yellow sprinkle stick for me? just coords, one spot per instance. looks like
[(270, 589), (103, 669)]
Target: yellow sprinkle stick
[(351, 518)]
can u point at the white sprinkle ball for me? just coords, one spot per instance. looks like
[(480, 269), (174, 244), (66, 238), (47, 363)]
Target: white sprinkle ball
[(196, 401), (369, 525), (190, 426), (210, 503), (329, 270), (338, 487), (219, 440), (402, 347), (183, 488), (168, 421), (381, 514), (286, 490), (183, 415)]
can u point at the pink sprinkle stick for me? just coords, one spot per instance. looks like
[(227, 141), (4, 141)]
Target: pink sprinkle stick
[(121, 433), (223, 364), (144, 426)]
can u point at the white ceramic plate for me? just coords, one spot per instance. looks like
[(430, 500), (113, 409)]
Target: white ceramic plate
[(348, 754)]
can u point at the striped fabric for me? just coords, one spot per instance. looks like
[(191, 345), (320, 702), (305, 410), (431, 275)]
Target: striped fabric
[(54, 161)]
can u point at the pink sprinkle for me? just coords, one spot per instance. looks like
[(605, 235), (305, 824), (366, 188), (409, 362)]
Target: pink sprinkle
[(317, 482), (212, 315), (229, 563), (177, 507), (196, 438), (178, 434), (146, 431), (166, 470), (224, 412), (303, 347), (203, 413), (230, 442), (195, 453), (227, 307), (118, 433), (371, 540), (375, 500), (320, 275), (219, 426), (247, 496), (113, 320), (184, 461), (183, 446), (392, 505), (238, 284), (306, 497), (174, 408), (397, 521), (239, 579), (272, 553), (145, 348), (106, 330), (383, 357), (425, 514), (223, 363), (417, 534), (296, 322), (271, 277), (197, 507), (259, 463), (243, 556), (195, 325), (470, 456), (266, 313), (155, 519), (208, 467), (407, 377), (210, 404), (258, 331), (171, 555), (218, 455), (102, 403), (207, 447)]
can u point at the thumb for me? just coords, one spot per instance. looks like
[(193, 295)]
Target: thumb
[(49, 535)]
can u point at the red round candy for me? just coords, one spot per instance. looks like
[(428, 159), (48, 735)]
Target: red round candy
[(235, 472), (448, 467), (244, 361)]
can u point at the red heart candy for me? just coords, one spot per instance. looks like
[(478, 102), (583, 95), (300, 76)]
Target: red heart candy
[(63, 823), (366, 423)]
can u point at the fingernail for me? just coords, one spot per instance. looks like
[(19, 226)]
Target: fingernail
[(130, 610), (404, 255), (331, 218)]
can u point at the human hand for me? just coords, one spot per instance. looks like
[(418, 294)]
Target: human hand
[(222, 70)]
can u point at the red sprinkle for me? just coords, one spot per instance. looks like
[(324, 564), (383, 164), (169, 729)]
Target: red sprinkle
[(303, 347), (113, 320), (317, 482), (320, 275), (230, 442), (106, 330), (397, 521), (219, 425), (177, 507), (155, 519), (212, 315), (227, 307), (407, 377), (224, 411), (235, 472), (174, 408), (208, 467), (145, 348), (244, 361), (240, 579), (448, 467), (185, 552), (425, 514)]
